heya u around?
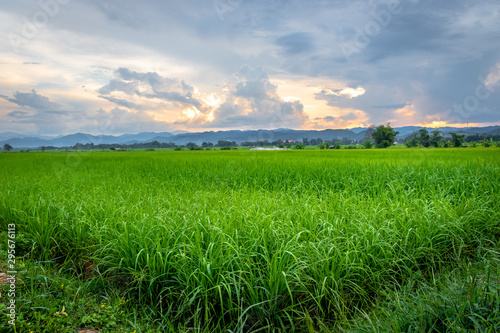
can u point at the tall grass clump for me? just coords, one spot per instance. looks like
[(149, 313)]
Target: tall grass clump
[(247, 241)]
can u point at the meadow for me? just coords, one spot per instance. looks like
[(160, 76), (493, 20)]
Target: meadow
[(245, 241)]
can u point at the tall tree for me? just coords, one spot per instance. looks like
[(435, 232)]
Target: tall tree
[(424, 138), (436, 138), (384, 136), (7, 147), (457, 139)]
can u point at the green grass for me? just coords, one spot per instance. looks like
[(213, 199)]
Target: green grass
[(246, 241)]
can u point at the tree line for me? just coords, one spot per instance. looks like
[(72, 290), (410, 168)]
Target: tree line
[(422, 138), (382, 136)]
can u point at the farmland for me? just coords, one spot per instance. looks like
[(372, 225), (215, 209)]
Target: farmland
[(243, 240)]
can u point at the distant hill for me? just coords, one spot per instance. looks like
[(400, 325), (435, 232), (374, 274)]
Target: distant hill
[(19, 141)]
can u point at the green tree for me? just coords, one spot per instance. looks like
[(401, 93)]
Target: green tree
[(411, 143), (324, 145), (424, 138), (436, 138), (7, 147), (384, 136), (457, 139), (367, 144)]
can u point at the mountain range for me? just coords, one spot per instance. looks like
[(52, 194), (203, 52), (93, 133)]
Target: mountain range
[(19, 141)]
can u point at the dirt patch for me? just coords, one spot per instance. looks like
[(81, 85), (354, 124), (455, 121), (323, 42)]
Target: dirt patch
[(3, 279), (86, 330)]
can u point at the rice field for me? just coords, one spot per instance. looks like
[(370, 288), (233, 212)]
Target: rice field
[(244, 241)]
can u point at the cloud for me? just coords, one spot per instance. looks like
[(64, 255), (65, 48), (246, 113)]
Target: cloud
[(121, 121), (33, 100), (122, 102), (254, 103), (353, 118), (18, 114), (330, 94), (251, 102), (170, 57), (296, 43), (390, 106), (149, 86)]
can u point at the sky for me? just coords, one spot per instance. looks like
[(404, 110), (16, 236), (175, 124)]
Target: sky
[(123, 66)]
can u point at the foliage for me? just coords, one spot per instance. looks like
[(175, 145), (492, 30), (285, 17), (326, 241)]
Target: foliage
[(384, 136), (411, 143), (239, 240), (487, 143), (367, 144), (7, 147), (424, 139), (436, 139), (299, 146), (226, 143), (466, 299), (457, 139)]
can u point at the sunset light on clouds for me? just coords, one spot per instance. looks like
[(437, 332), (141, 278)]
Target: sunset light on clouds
[(114, 67)]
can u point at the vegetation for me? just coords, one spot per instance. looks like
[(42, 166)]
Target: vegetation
[(212, 241), (384, 136), (368, 144), (7, 147), (457, 139)]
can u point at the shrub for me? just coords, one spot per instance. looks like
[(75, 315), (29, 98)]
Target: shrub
[(367, 144), (411, 143)]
